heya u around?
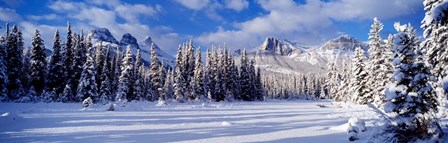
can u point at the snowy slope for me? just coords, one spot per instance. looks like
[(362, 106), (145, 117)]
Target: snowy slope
[(270, 121), (102, 36), (283, 56)]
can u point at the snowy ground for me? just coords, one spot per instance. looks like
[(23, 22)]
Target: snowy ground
[(271, 121)]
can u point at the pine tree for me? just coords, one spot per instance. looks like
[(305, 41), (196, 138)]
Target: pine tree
[(332, 80), (124, 84), (25, 77), (66, 95), (410, 97), (55, 68), (245, 79), (117, 72), (139, 92), (3, 71), (105, 93), (38, 63), (87, 83), (207, 74), (179, 78), (358, 84), (167, 88), (67, 54), (14, 63), (99, 63), (219, 91), (79, 59), (234, 85), (198, 79), (154, 74), (259, 86), (376, 61)]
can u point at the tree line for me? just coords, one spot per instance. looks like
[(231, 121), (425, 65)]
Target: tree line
[(78, 69)]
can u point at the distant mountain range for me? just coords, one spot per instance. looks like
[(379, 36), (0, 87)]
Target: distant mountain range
[(286, 57), (273, 55), (102, 36)]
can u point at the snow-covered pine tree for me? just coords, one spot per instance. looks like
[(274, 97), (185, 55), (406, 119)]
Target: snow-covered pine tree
[(179, 78), (245, 78), (67, 54), (125, 77), (234, 85), (358, 84), (167, 87), (14, 63), (259, 86), (3, 71), (154, 74), (38, 63), (138, 62), (375, 76), (79, 59), (55, 68), (207, 74), (139, 85), (332, 80), (117, 72), (105, 94), (219, 89), (87, 83), (435, 28), (99, 63), (410, 97), (198, 79), (66, 95), (25, 77)]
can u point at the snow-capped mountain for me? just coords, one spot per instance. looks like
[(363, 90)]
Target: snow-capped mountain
[(102, 36), (283, 56)]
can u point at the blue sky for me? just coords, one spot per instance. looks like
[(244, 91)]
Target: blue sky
[(238, 23)]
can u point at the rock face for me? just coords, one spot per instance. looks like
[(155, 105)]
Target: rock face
[(102, 36), (343, 43), (276, 46)]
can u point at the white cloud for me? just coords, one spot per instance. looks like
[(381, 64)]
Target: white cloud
[(9, 15), (194, 4), (311, 22), (237, 5), (43, 17)]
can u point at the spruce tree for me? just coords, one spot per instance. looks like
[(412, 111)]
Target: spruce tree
[(124, 84), (105, 93), (198, 79), (79, 59), (3, 71), (55, 68), (219, 91), (139, 87), (207, 74), (245, 79), (67, 54), (99, 63), (87, 83), (358, 84), (14, 63), (376, 75), (38, 63), (179, 78), (154, 74), (410, 97)]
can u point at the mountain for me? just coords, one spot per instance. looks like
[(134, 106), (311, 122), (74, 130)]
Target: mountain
[(286, 57), (102, 36)]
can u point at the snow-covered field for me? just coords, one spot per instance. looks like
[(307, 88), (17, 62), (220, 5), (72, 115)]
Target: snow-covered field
[(270, 121)]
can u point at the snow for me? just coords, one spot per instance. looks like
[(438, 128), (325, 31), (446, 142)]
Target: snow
[(268, 121)]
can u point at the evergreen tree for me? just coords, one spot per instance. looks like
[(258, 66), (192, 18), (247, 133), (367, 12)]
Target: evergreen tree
[(55, 68), (332, 80), (14, 63), (87, 83), (99, 63), (3, 71), (105, 93), (259, 86), (124, 84), (179, 78), (66, 95), (117, 72), (207, 74), (38, 63), (154, 74), (79, 59), (410, 97), (358, 84), (219, 91), (67, 54), (167, 88), (198, 79), (245, 79), (139, 91), (376, 74)]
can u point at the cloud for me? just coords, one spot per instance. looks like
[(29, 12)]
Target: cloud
[(9, 15), (194, 4), (43, 17), (312, 21), (237, 5), (211, 8)]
